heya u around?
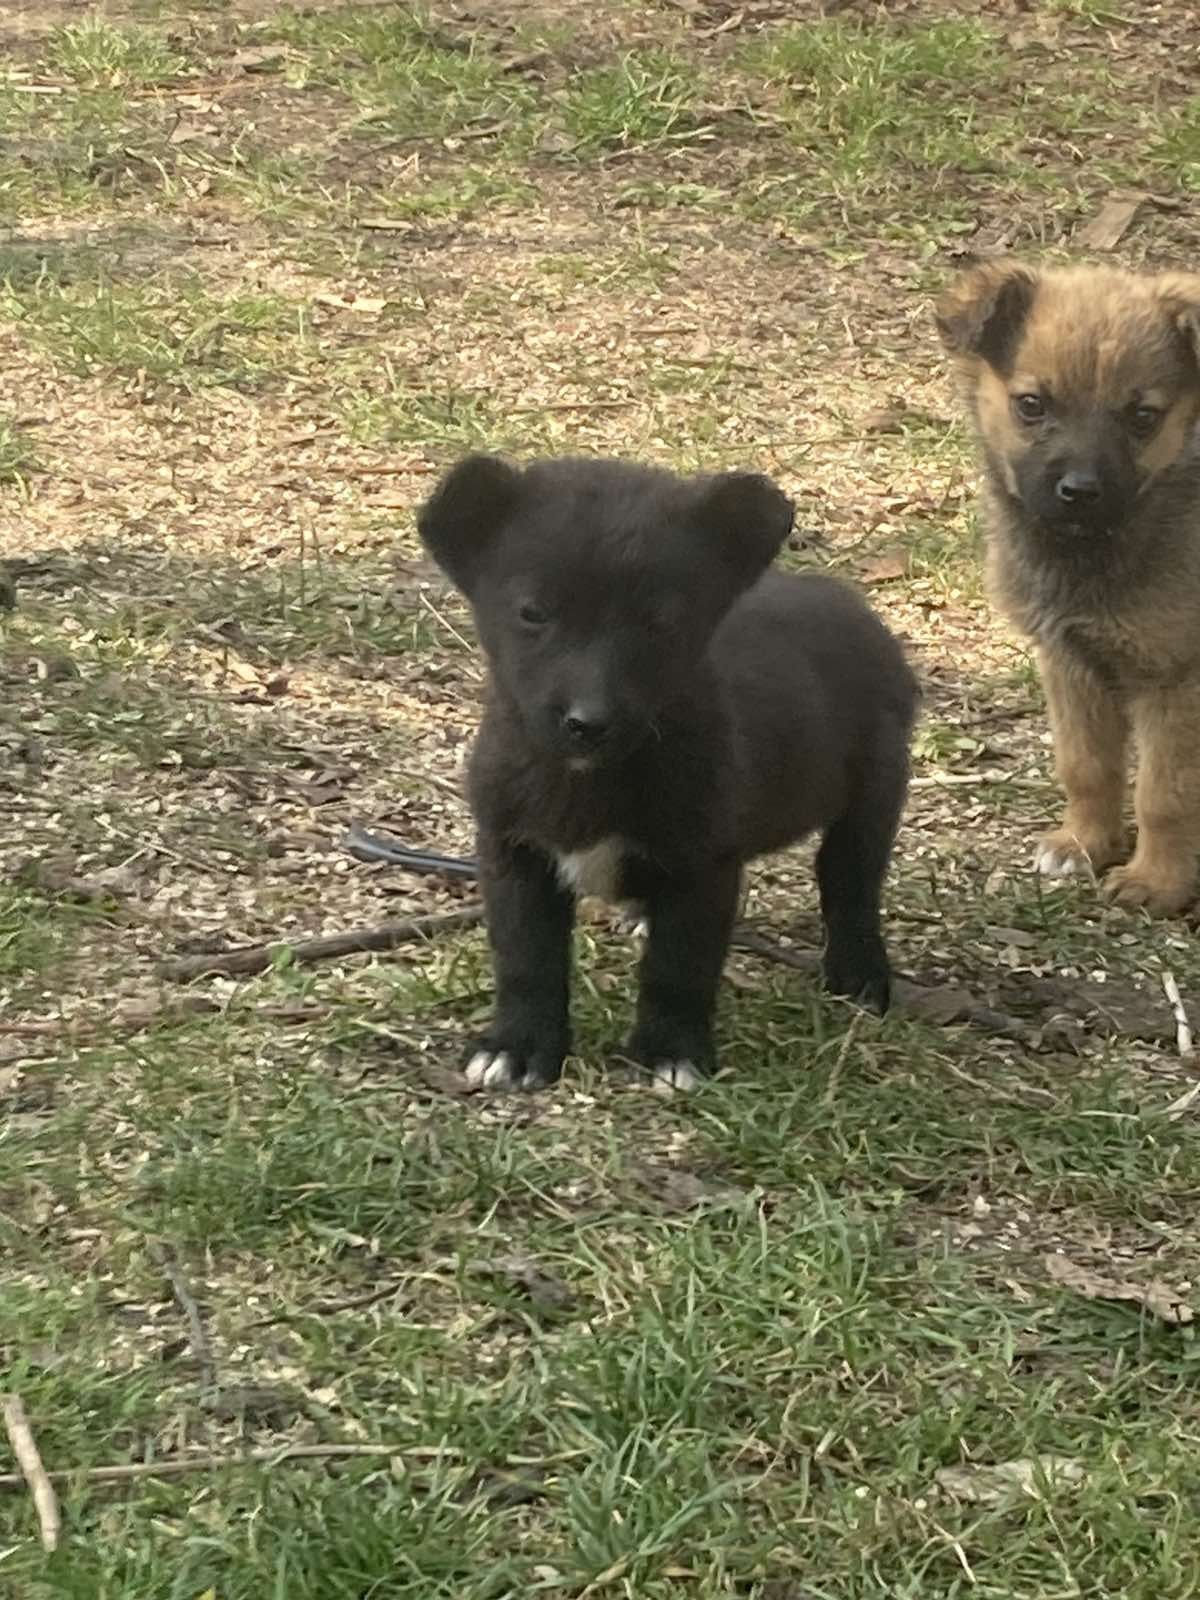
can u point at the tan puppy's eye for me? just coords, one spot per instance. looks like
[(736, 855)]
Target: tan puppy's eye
[(1029, 407), (1143, 420)]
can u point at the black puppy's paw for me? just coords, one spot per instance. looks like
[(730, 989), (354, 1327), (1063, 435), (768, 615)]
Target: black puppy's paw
[(497, 1064), (678, 1059), (860, 971)]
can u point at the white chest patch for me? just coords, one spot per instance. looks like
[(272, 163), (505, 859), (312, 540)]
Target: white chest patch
[(595, 872)]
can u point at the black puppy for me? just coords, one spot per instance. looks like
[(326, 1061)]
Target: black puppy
[(659, 712)]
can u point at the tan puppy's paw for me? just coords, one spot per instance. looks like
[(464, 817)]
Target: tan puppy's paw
[(1061, 853), (1162, 895)]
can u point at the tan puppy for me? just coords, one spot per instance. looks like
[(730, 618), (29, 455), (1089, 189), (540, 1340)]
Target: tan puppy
[(1084, 386)]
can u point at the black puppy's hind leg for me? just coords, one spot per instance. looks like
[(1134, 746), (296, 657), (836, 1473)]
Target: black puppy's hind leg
[(851, 865), (690, 928), (529, 919)]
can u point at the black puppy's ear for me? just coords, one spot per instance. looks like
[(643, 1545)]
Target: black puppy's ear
[(981, 314), (747, 518), (463, 512)]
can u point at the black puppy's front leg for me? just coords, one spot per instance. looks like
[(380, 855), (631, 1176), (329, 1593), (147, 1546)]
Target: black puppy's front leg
[(690, 927), (529, 920)]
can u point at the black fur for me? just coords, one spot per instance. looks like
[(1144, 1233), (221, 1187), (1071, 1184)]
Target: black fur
[(647, 683)]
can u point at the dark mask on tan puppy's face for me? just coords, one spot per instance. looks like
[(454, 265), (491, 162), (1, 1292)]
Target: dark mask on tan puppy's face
[(1085, 385)]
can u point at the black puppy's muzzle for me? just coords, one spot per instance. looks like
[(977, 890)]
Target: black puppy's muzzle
[(584, 728), (589, 735), (579, 732)]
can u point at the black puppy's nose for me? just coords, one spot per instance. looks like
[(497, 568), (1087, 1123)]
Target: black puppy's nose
[(1078, 488), (584, 726)]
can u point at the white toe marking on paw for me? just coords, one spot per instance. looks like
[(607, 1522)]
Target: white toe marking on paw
[(500, 1073), (477, 1066), (1057, 863), (676, 1077), (634, 921), (490, 1070)]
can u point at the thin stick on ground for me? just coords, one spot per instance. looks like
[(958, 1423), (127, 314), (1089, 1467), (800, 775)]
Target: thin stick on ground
[(831, 1087), (470, 670), (329, 1308), (197, 1334), (128, 1472), (259, 957), (942, 1006), (24, 1447), (1184, 1103), (76, 1030), (955, 780), (1183, 1033)]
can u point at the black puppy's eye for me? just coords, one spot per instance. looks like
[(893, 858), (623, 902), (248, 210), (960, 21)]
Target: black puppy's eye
[(532, 616), (1030, 407), (1143, 420)]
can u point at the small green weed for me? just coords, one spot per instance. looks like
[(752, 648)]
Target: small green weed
[(643, 101), (862, 101), (17, 453), (174, 333), (97, 54), (410, 80)]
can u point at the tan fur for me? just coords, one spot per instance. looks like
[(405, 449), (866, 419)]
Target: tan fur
[(1162, 874), (1090, 732), (1117, 625)]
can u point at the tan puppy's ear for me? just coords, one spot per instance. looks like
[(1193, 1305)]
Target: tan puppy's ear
[(1180, 296), (981, 314)]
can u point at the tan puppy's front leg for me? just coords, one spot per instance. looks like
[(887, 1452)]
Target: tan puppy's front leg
[(1091, 730), (1161, 876)]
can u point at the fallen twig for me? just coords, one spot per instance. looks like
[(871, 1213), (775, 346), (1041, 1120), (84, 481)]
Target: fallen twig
[(175, 1467), (572, 405), (943, 1006), (995, 1091), (444, 621), (197, 1334), (1185, 1102), (1183, 1033), (385, 469), (328, 1308), (24, 1447), (76, 1030), (259, 957), (953, 780), (830, 1094)]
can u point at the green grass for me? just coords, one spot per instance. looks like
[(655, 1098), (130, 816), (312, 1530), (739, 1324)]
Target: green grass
[(71, 152), (730, 1398), (1177, 150), (94, 53), (174, 332), (469, 194), (627, 235), (644, 100), (406, 76), (17, 453), (884, 109), (862, 101)]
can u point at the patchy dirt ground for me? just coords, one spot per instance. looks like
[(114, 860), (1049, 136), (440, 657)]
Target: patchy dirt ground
[(263, 274)]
